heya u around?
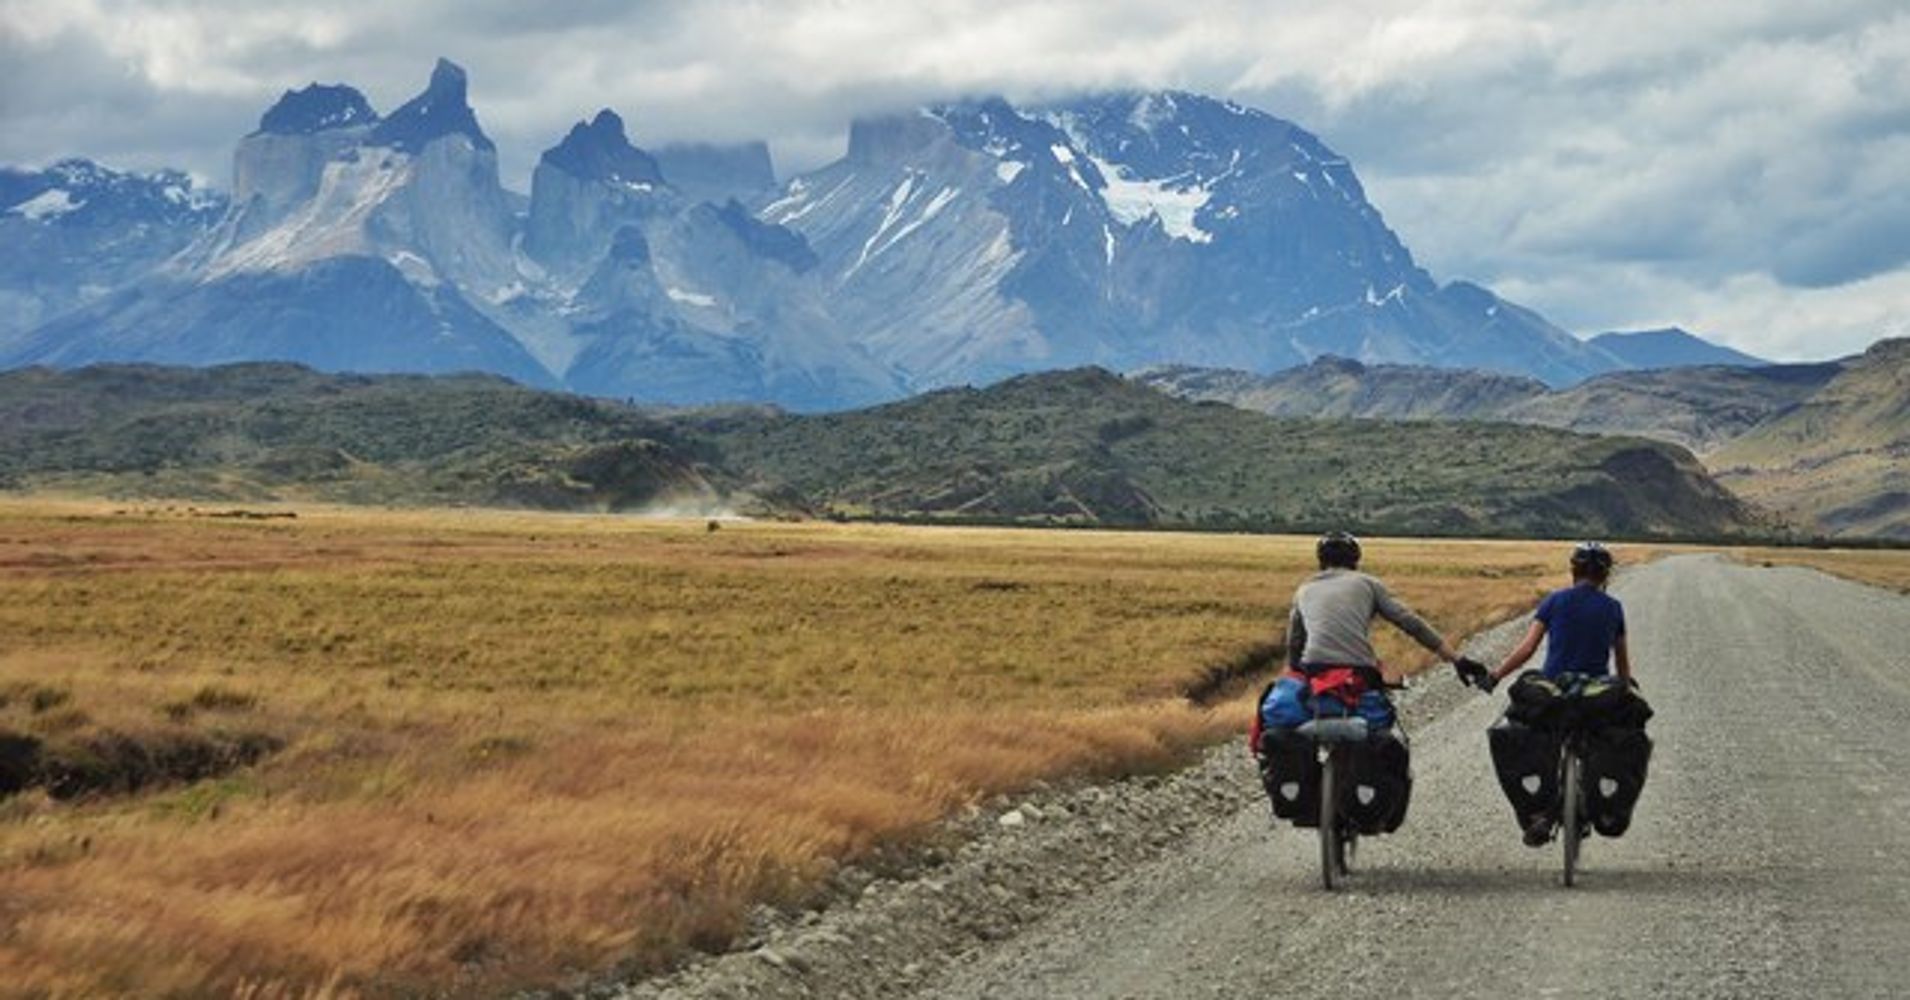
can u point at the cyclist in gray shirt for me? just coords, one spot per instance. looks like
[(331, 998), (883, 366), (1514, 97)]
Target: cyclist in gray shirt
[(1333, 611)]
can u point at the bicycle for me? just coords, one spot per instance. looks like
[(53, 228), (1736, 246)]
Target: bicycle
[(1333, 740)]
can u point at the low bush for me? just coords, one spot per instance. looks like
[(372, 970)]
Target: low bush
[(106, 762)]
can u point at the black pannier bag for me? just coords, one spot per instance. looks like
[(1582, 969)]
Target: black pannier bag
[(1615, 763), (1545, 703), (1526, 759), (1378, 793), (1291, 776), (1525, 746), (1609, 703), (1536, 701), (1382, 786)]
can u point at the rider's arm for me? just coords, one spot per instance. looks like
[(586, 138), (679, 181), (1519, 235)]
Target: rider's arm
[(1527, 646), (1621, 651), (1399, 614)]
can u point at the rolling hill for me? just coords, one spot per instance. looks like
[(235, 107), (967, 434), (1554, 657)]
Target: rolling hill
[(1086, 446), (1341, 387), (1840, 460), (260, 431), (1695, 407), (1075, 447)]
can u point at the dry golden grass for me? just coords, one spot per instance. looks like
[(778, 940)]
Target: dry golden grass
[(526, 747), (1889, 568)]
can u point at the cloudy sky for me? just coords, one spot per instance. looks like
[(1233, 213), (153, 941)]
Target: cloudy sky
[(1739, 168)]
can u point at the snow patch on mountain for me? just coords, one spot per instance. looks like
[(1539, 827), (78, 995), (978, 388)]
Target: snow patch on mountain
[(690, 298), (416, 269), (47, 205), (1175, 204)]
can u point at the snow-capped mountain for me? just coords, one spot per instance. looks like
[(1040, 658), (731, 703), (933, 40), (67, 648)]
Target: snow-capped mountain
[(663, 297), (976, 239), (361, 242), (352, 243), (960, 243), (76, 230)]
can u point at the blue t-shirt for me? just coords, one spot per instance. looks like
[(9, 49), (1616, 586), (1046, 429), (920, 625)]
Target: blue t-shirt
[(1581, 623)]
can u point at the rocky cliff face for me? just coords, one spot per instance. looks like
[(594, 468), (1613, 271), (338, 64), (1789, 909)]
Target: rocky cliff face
[(667, 298), (977, 239), (359, 242), (962, 243), (353, 243)]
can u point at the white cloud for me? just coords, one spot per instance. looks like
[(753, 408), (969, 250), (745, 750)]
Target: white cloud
[(1615, 164)]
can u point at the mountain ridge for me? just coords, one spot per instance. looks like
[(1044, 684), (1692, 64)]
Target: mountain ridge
[(1074, 447), (1670, 347), (1696, 407), (1840, 460), (964, 242)]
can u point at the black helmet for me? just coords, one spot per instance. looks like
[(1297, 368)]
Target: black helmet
[(1337, 548), (1591, 559)]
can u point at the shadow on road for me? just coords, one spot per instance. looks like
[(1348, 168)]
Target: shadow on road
[(1514, 882)]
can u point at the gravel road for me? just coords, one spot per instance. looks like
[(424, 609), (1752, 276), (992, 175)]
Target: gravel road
[(1770, 855)]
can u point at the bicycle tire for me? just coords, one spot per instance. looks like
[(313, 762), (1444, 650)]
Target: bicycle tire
[(1331, 857), (1574, 802)]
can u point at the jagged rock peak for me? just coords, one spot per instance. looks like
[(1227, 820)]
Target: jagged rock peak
[(317, 108), (443, 109), (600, 150)]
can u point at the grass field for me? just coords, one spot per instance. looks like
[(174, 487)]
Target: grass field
[(1887, 568), (518, 749)]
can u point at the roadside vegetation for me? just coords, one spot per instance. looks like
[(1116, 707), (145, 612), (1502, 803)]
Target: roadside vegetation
[(460, 751), (1880, 567)]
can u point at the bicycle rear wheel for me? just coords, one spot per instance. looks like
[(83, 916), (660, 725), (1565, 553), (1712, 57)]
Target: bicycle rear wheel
[(1332, 850), (1574, 804)]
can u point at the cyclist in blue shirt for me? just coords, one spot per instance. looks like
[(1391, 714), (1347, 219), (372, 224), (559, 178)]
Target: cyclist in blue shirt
[(1586, 625)]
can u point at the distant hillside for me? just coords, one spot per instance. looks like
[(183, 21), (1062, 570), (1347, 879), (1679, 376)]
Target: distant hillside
[(1695, 407), (1841, 459), (258, 431), (1083, 447), (1669, 348), (1700, 407), (1340, 387), (1087, 446)]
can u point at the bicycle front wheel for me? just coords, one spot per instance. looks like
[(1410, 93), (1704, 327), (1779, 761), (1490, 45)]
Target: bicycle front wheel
[(1574, 806)]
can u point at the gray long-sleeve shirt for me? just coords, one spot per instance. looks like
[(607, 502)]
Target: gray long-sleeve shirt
[(1332, 617)]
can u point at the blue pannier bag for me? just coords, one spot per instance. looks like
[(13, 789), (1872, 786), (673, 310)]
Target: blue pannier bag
[(1286, 704), (1376, 709)]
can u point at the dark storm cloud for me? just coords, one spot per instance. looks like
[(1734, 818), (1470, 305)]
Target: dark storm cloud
[(1618, 163)]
